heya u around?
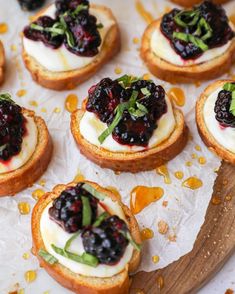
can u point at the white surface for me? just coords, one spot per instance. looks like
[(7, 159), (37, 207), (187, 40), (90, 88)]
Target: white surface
[(186, 208), (225, 136), (91, 128)]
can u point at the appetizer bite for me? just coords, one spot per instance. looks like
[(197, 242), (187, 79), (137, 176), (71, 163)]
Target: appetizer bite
[(2, 63), (25, 147), (190, 45), (68, 42), (215, 116), (190, 3), (86, 239), (128, 124)]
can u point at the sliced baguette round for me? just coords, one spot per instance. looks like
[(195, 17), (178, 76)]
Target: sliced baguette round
[(183, 74), (118, 284), (68, 80), (205, 134), (137, 161), (24, 177), (190, 3), (2, 63)]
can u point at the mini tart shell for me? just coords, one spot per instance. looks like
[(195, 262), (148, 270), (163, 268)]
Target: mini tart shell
[(190, 3), (183, 74), (118, 284), (68, 80), (137, 161), (212, 144), (2, 63), (24, 177)]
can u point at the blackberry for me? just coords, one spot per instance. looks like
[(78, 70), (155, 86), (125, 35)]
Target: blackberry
[(64, 5), (31, 4), (67, 209), (106, 242), (12, 129), (222, 105)]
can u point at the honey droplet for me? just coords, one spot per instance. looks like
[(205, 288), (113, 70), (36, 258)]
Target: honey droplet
[(21, 291), (117, 173), (146, 234), (164, 203), (142, 196), (136, 40), (177, 95), (71, 102), (146, 77), (197, 84), (114, 191), (21, 93), (146, 15), (24, 208), (79, 177), (202, 160), (3, 28), (30, 276), (155, 259), (38, 193), (118, 70), (13, 48), (42, 183), (26, 255), (192, 183), (163, 171), (162, 227), (57, 110), (160, 282), (179, 175), (228, 197), (194, 156), (44, 110), (198, 148), (172, 238), (188, 163), (215, 200), (33, 103)]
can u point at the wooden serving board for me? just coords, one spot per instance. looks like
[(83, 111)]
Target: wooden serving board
[(214, 245)]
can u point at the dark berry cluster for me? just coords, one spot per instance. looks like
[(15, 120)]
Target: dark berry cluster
[(107, 242), (77, 30), (67, 209), (105, 96), (12, 129), (222, 106), (214, 15), (31, 4)]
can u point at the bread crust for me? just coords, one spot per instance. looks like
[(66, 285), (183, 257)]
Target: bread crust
[(2, 63), (68, 80), (137, 161), (190, 3), (24, 177), (183, 74), (206, 136), (118, 284)]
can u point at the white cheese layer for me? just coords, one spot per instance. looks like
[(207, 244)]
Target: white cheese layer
[(52, 233), (224, 136), (91, 128), (61, 59), (27, 148), (161, 46)]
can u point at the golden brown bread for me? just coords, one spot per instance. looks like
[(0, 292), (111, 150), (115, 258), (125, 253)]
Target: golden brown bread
[(118, 284), (2, 62), (70, 79), (190, 3), (24, 177), (206, 136), (183, 74), (137, 161)]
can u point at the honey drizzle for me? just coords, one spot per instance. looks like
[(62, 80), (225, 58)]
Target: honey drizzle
[(177, 96), (3, 28), (37, 194), (71, 102), (160, 282), (179, 175), (79, 177), (24, 208), (192, 183), (142, 196), (114, 191), (163, 171), (146, 234), (146, 15), (30, 276)]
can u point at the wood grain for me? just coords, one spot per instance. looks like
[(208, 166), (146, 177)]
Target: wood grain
[(214, 245)]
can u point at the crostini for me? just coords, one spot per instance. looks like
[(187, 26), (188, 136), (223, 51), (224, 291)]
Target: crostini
[(215, 117), (189, 45), (2, 62), (128, 124), (190, 3), (25, 147), (86, 238), (68, 42)]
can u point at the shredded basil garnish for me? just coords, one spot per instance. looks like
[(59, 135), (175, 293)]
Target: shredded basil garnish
[(125, 81), (231, 88), (192, 39), (93, 191), (6, 97), (100, 219), (47, 256), (69, 242), (86, 211)]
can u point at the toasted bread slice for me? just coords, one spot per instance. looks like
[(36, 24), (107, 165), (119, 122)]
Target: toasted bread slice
[(183, 74), (118, 284), (136, 161), (205, 134), (2, 62), (190, 3), (24, 177), (68, 80)]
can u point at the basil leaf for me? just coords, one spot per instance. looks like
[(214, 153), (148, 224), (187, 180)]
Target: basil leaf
[(90, 259), (229, 87), (191, 18), (6, 97), (99, 26), (125, 81), (192, 39), (69, 242), (100, 219), (2, 147), (79, 8), (145, 92), (36, 27), (70, 38), (128, 236), (86, 211), (93, 191), (141, 107), (47, 257), (133, 98)]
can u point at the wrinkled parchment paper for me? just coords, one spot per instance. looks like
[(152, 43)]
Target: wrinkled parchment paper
[(186, 208)]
